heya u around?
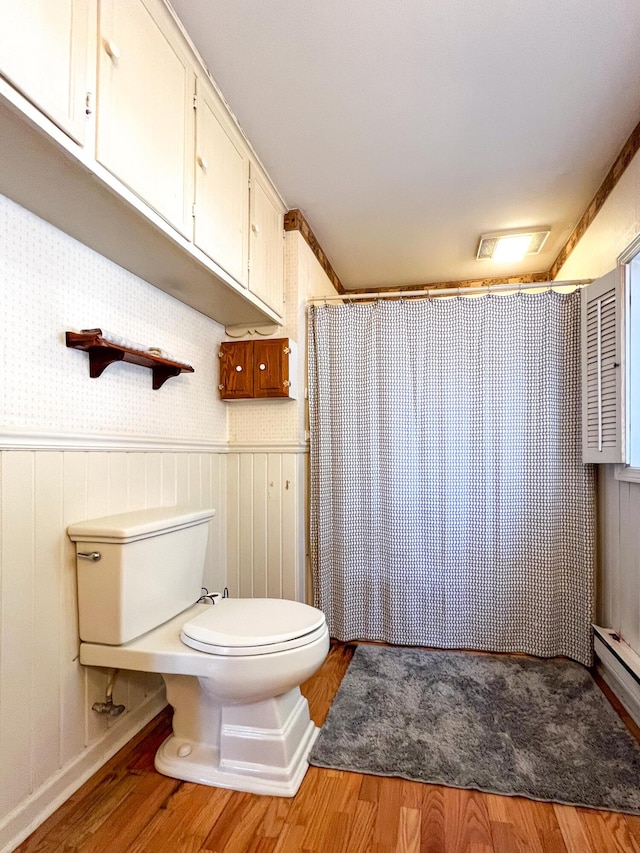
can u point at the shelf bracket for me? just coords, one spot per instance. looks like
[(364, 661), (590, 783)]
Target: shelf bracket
[(100, 358)]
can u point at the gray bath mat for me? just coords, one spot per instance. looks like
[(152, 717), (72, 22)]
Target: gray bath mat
[(507, 725)]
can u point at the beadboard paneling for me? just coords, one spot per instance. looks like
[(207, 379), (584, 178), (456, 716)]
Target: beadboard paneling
[(619, 536), (46, 721), (265, 525), (16, 641)]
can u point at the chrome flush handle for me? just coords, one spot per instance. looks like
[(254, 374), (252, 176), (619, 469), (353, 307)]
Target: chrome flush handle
[(94, 556)]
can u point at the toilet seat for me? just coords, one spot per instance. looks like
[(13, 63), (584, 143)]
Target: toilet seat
[(253, 626)]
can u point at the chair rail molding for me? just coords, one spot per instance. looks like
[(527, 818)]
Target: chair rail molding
[(36, 440), (268, 447)]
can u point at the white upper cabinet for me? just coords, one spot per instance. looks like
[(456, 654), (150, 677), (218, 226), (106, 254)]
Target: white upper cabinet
[(146, 85), (45, 53), (266, 242), (222, 186), (105, 133)]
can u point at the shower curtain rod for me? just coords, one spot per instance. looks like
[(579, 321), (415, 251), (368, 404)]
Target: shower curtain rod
[(451, 291)]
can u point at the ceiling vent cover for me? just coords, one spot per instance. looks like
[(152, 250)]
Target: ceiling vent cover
[(491, 244)]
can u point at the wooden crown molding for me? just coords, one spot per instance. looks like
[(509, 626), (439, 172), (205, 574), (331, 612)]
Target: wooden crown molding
[(626, 155), (529, 278), (294, 220)]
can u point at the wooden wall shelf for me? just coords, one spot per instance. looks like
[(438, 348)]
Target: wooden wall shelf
[(102, 353)]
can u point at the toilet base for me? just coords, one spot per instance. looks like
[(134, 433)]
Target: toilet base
[(260, 748)]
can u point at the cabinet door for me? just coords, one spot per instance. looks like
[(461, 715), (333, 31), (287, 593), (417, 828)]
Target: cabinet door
[(222, 187), (146, 86), (271, 368), (266, 243), (44, 52), (236, 370)]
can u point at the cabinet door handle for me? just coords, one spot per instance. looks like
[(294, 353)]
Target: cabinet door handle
[(255, 228), (262, 366), (112, 49), (202, 163)]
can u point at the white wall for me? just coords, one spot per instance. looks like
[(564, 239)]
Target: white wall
[(152, 448), (615, 226), (285, 420), (267, 480)]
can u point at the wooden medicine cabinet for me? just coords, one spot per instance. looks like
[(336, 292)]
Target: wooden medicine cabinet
[(257, 369)]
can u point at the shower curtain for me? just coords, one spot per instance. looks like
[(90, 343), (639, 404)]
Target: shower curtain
[(449, 503)]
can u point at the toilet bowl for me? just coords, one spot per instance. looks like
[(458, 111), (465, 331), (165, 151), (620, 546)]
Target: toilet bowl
[(232, 669)]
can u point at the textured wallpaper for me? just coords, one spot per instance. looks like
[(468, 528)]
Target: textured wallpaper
[(285, 420), (51, 283), (272, 420)]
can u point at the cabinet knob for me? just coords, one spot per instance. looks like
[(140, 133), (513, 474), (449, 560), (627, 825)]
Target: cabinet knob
[(112, 49), (262, 366), (221, 387), (204, 165), (255, 228), (239, 368), (286, 383)]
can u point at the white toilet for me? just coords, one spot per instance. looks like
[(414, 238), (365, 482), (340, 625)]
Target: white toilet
[(232, 669)]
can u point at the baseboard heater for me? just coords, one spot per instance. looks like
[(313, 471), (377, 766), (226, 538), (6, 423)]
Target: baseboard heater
[(619, 665)]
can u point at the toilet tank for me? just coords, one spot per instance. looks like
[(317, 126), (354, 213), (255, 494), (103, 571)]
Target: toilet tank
[(150, 569)]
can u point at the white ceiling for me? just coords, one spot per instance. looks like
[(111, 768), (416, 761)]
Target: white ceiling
[(403, 129)]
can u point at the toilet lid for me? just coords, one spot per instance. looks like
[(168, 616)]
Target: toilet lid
[(243, 626)]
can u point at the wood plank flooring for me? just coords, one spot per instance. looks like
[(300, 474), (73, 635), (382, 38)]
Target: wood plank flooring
[(127, 806)]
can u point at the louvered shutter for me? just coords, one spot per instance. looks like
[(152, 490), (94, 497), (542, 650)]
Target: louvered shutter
[(602, 370)]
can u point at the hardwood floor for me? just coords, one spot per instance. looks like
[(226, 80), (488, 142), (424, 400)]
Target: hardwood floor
[(127, 806)]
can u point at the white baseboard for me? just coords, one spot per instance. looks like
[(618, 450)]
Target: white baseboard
[(619, 666), (28, 816)]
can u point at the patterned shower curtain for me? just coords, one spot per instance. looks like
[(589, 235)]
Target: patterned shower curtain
[(449, 503)]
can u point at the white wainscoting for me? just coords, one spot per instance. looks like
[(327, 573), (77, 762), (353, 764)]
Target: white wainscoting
[(619, 544), (50, 739), (266, 530)]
